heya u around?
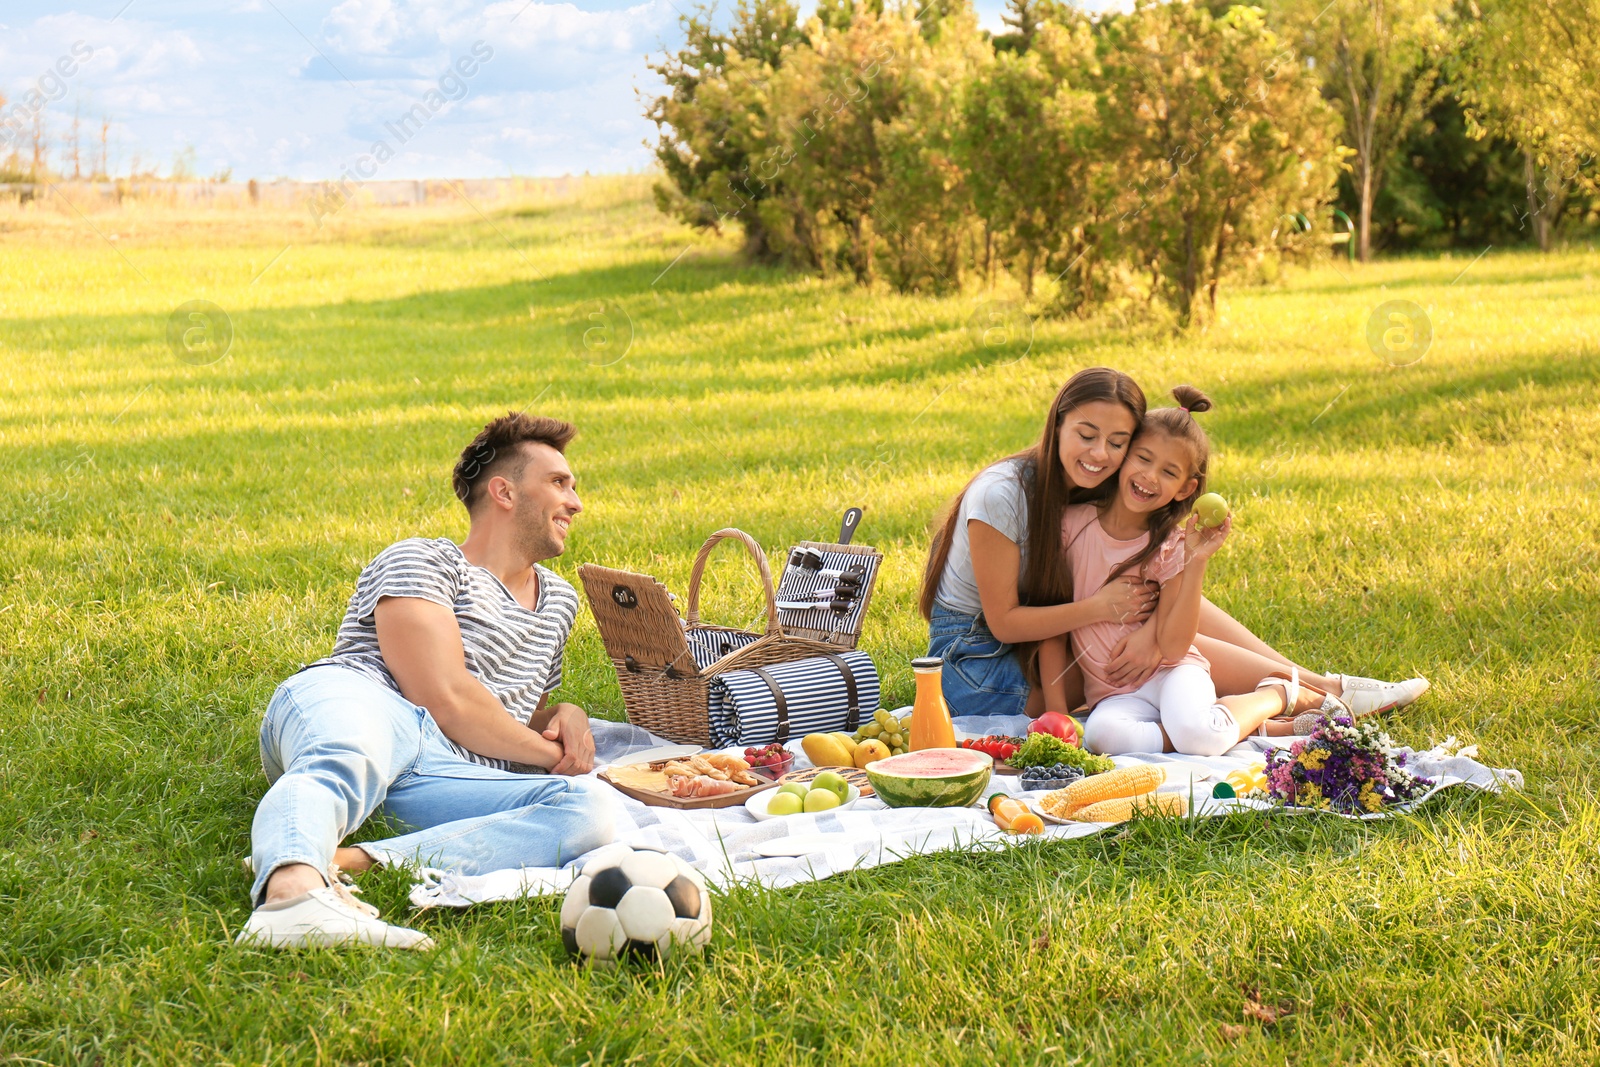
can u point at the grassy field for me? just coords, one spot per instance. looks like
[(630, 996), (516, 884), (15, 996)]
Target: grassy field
[(179, 537)]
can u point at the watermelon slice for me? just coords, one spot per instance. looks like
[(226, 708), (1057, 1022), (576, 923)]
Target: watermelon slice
[(931, 778)]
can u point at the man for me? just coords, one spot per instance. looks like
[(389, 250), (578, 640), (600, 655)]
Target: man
[(435, 697)]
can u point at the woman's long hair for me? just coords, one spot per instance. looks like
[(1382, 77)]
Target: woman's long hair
[(1179, 424), (1045, 578)]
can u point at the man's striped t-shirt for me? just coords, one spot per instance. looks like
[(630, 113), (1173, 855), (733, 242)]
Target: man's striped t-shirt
[(513, 651)]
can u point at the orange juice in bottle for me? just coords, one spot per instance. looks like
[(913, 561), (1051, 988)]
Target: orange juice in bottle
[(930, 715)]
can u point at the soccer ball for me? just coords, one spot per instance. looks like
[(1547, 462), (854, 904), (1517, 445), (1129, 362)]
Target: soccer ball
[(639, 903)]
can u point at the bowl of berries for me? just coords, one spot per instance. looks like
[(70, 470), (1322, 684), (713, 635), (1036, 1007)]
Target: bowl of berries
[(1055, 776), (769, 761)]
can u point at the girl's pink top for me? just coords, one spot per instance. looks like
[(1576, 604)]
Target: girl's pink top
[(1093, 554)]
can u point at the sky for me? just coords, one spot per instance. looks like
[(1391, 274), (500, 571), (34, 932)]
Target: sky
[(304, 89)]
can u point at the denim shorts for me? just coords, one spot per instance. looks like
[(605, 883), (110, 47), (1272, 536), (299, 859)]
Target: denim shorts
[(981, 675)]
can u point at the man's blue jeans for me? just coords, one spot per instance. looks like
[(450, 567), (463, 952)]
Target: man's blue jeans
[(338, 746)]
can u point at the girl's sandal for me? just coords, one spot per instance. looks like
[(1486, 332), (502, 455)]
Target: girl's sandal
[(1304, 721), (1305, 724)]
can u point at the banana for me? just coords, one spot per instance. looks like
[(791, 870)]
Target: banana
[(848, 742)]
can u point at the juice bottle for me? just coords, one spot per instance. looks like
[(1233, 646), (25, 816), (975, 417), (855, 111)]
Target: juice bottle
[(930, 715), (1013, 816)]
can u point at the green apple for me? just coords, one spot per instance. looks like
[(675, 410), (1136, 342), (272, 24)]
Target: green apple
[(834, 782), (783, 803), (821, 800), (797, 789), (1211, 510)]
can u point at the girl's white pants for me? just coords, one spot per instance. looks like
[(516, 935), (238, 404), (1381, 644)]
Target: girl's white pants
[(1181, 701)]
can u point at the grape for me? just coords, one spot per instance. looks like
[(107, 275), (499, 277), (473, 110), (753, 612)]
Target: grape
[(896, 740), (883, 719), (871, 729)]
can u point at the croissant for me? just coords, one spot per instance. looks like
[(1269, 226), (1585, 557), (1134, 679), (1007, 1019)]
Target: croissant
[(692, 767), (716, 766), (735, 768)]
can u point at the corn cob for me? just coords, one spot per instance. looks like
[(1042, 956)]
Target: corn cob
[(1120, 809), (1112, 785)]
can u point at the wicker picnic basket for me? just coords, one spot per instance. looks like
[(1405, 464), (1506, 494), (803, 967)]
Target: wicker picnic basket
[(664, 689)]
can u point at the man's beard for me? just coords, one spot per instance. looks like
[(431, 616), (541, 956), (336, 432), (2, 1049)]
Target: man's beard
[(535, 536)]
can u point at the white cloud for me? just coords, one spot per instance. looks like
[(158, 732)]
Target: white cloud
[(362, 26), (633, 29)]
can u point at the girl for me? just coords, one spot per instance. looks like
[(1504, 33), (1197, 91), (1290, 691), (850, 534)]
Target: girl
[(1140, 530), (995, 580)]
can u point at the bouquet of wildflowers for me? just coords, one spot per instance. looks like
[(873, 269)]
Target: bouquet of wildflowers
[(1344, 766)]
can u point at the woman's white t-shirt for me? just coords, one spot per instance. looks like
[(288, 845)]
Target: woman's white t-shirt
[(998, 497)]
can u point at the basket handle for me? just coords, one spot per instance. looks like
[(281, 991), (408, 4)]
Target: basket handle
[(693, 615)]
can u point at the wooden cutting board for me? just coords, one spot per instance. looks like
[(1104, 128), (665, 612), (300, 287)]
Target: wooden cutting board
[(646, 786)]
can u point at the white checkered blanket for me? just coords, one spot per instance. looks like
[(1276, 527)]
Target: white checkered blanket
[(730, 845)]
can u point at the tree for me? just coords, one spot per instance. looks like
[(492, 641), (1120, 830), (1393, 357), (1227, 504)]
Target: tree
[(74, 141), (710, 118), (39, 167), (183, 165), (1215, 133), (828, 103), (1526, 79), (11, 162), (924, 211), (1379, 61), (103, 171), (1024, 17), (1447, 188), (1030, 147), (838, 14), (1166, 144)]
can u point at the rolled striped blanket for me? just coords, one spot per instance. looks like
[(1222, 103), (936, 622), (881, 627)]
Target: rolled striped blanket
[(814, 695)]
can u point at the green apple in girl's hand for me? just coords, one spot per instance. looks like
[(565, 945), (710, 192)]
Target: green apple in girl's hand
[(1211, 510)]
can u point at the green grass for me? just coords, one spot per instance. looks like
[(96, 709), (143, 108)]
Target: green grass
[(177, 538)]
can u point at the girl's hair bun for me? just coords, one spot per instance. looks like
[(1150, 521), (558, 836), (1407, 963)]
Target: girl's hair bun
[(1191, 399)]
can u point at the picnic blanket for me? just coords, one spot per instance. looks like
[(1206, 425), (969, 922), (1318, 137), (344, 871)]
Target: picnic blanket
[(804, 696), (729, 845)]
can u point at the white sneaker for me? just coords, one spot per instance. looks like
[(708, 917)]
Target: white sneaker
[(1369, 696), (325, 917)]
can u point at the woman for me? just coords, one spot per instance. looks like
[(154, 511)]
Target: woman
[(997, 581)]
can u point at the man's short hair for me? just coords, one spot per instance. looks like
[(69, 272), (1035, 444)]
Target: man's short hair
[(498, 450)]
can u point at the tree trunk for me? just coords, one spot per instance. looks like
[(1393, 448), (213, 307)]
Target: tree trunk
[(1214, 282), (861, 249), (1364, 239), (1188, 281), (872, 240), (806, 234), (756, 249), (1536, 207), (988, 255)]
